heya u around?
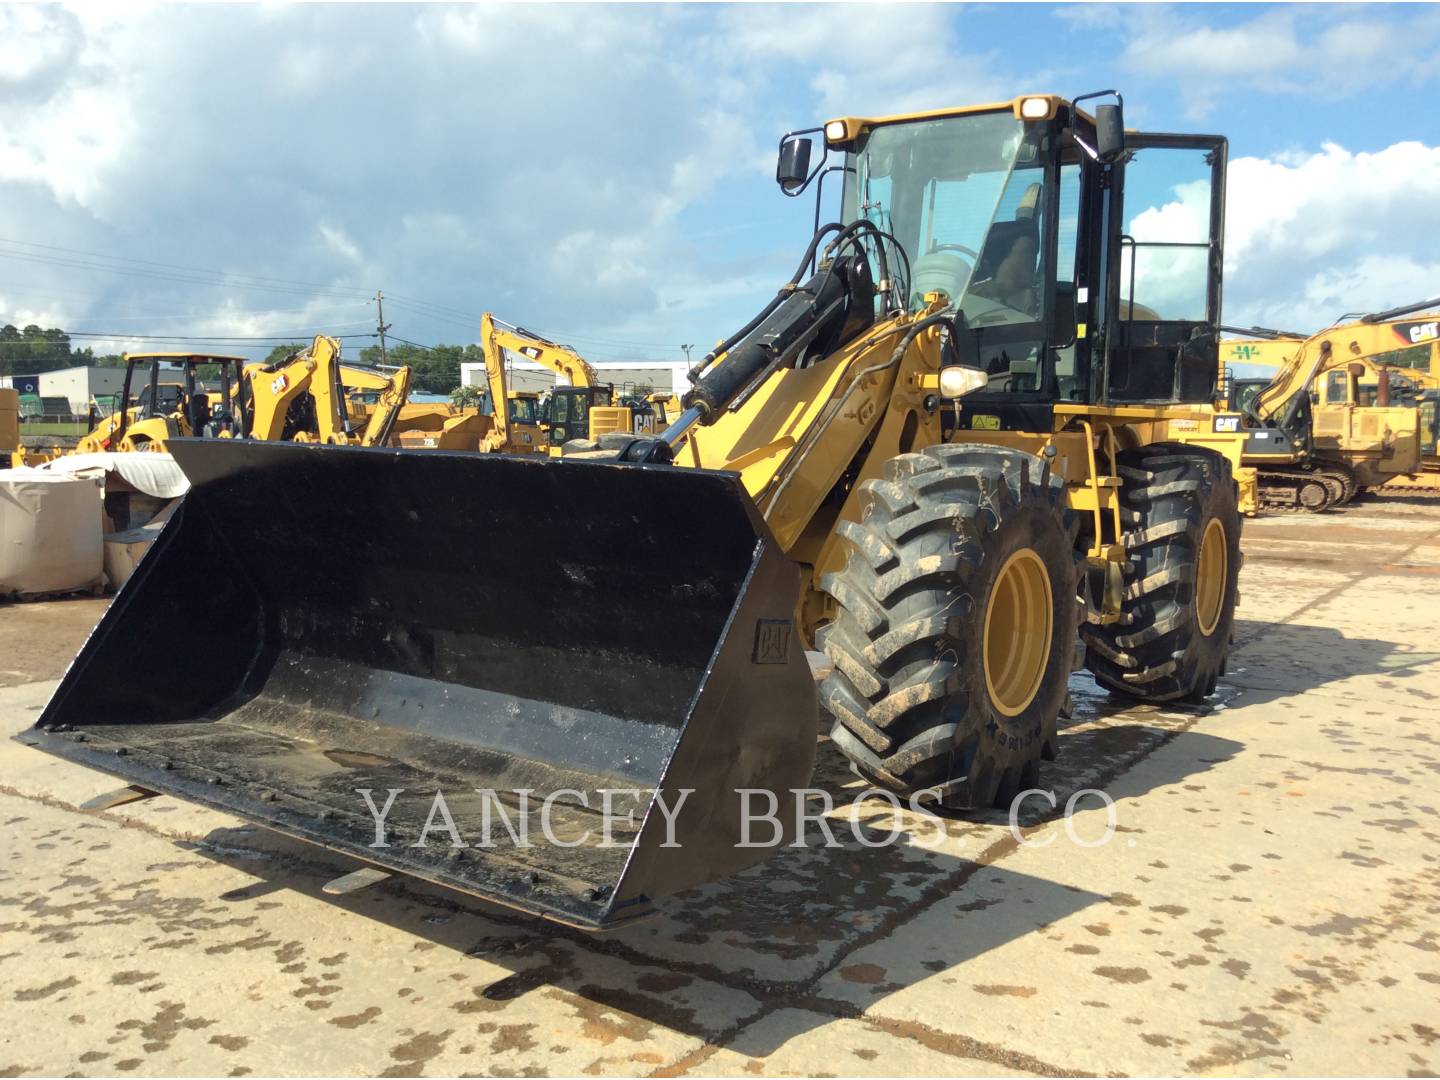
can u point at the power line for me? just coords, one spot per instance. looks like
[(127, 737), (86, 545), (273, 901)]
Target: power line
[(123, 266), (201, 339), (417, 345), (176, 266), (214, 279)]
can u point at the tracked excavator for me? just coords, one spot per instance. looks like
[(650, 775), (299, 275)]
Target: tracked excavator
[(935, 453), (1318, 431), (581, 410)]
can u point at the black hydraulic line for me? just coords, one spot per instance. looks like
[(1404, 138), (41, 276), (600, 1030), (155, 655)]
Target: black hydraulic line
[(914, 330), (766, 311), (1262, 332), (850, 235), (1395, 313)]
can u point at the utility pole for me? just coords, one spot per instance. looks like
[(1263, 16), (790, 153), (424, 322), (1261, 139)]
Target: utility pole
[(687, 349), (381, 325)]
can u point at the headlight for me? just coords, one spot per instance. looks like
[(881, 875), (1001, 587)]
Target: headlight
[(835, 131), (957, 381), (1035, 108)]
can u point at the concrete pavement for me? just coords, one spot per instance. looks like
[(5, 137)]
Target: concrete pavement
[(1266, 902)]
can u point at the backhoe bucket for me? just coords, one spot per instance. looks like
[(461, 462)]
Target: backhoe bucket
[(580, 666)]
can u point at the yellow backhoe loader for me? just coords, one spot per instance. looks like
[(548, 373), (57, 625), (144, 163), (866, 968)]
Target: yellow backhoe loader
[(305, 398), (934, 453), (175, 401), (1402, 363)]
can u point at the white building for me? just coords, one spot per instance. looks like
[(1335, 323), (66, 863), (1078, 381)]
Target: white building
[(624, 375), (81, 384)]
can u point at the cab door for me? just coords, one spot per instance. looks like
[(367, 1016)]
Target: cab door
[(1169, 233)]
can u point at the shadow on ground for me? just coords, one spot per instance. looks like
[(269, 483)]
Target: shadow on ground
[(775, 930)]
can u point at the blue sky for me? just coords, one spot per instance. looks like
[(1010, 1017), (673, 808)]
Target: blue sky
[(605, 174)]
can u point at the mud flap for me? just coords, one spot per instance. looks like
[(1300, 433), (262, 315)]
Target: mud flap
[(520, 634)]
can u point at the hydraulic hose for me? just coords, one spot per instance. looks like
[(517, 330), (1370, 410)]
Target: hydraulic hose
[(1406, 309), (768, 309)]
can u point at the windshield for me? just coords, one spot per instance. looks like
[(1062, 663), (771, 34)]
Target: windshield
[(522, 410), (962, 197)]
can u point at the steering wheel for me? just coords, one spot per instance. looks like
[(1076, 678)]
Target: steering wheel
[(944, 272), (974, 255)]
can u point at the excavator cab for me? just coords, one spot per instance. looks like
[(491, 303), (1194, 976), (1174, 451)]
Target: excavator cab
[(572, 411)]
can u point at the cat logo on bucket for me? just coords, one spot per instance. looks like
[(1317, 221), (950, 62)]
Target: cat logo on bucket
[(772, 641)]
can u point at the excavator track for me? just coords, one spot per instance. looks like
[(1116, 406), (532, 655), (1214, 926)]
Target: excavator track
[(1299, 491), (1341, 475)]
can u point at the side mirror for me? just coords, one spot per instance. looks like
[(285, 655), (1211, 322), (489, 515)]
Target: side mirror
[(793, 168), (1109, 133)]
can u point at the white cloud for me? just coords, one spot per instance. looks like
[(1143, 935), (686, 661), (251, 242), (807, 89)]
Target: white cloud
[(925, 62), (338, 241), (1318, 53), (597, 168), (1311, 237)]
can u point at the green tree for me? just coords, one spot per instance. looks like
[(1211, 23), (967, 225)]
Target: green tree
[(33, 350), (434, 371), (282, 352)]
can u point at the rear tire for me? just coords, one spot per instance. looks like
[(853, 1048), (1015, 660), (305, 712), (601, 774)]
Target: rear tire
[(957, 547), (1183, 540)]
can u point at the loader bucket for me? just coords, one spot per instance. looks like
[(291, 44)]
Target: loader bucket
[(518, 634)]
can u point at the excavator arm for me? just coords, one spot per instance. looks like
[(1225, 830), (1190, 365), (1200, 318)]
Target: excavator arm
[(273, 389), (560, 359), (490, 346), (392, 399), (1345, 343), (276, 388)]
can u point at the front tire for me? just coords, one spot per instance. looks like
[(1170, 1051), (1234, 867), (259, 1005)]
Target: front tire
[(956, 629), (1183, 541)]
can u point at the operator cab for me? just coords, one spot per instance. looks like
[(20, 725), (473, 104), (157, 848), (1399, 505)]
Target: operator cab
[(568, 411), (1080, 261)]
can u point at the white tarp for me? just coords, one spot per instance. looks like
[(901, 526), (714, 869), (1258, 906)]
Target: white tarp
[(149, 472), (50, 533)]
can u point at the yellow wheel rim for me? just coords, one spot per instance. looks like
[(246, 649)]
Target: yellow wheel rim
[(1019, 620), (1210, 574)]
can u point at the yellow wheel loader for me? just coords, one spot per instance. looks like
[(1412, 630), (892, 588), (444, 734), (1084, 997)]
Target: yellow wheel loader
[(936, 452)]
